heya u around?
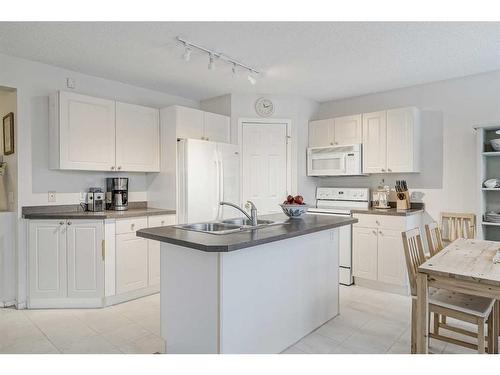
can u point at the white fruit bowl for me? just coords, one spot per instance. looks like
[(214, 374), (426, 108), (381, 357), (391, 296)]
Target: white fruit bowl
[(495, 143), (294, 211)]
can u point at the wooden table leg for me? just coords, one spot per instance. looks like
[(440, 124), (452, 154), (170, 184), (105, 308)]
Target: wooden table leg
[(496, 324), (422, 314)]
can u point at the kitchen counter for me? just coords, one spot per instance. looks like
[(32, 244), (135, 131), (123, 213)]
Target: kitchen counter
[(75, 212), (415, 209), (281, 284), (243, 239)]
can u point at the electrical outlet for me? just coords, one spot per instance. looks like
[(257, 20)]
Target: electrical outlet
[(70, 83), (52, 196)]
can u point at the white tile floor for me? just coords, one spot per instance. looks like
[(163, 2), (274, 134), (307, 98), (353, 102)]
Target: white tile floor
[(132, 327), (369, 322)]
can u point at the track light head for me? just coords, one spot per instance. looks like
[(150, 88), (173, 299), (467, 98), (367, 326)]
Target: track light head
[(211, 62), (187, 53), (251, 78)]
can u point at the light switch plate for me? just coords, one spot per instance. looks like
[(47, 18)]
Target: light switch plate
[(70, 83), (51, 196)]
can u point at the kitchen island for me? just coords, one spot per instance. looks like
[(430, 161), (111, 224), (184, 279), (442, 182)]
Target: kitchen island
[(252, 291)]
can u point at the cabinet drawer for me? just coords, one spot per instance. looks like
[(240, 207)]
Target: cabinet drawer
[(380, 221), (131, 225), (161, 220)]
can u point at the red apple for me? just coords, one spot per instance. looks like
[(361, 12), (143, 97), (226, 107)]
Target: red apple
[(299, 199), (290, 199)]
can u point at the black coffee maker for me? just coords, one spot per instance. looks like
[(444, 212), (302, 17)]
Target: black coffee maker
[(117, 193)]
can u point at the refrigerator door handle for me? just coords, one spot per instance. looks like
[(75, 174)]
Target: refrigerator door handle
[(217, 190)]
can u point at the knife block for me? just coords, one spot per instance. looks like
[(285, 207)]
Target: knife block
[(403, 204)]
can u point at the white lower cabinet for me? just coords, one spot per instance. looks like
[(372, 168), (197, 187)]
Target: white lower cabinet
[(154, 247), (378, 254), (66, 266), (131, 263)]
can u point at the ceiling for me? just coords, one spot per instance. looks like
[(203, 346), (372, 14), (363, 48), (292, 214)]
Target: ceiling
[(321, 61)]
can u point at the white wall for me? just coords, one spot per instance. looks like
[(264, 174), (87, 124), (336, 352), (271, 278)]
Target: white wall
[(34, 83), (463, 103)]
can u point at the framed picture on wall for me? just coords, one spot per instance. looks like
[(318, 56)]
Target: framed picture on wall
[(8, 134)]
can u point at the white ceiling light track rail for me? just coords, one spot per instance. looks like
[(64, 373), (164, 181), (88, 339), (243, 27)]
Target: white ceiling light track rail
[(212, 55)]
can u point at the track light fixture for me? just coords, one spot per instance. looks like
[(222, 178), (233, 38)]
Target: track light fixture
[(187, 53), (212, 55), (211, 63)]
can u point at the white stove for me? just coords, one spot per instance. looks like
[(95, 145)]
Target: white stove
[(341, 202)]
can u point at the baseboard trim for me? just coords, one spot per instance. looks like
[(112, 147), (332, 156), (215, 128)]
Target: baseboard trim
[(65, 303), (124, 297), (383, 287)]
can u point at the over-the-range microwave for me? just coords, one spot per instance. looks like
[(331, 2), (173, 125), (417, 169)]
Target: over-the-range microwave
[(334, 160)]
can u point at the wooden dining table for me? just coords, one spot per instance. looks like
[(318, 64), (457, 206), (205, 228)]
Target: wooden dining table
[(464, 266)]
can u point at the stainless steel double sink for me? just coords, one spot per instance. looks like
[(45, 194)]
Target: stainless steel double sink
[(228, 226)]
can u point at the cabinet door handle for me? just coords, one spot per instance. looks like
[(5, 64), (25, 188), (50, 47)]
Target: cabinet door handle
[(374, 231), (69, 222), (61, 223), (132, 226), (377, 222), (389, 170), (163, 222), (119, 167), (331, 143), (383, 170), (112, 168), (380, 232)]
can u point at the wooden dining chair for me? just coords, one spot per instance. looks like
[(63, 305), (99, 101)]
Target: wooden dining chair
[(464, 307), (457, 225), (434, 239)]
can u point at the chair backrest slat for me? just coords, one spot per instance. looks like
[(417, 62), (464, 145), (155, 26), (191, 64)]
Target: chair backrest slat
[(457, 225), (434, 239), (414, 255)]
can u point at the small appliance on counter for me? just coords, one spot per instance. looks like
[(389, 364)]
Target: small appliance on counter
[(381, 198), (117, 193), (403, 196), (95, 200)]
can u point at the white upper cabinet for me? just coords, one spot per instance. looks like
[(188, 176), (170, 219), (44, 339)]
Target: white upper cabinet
[(137, 134), (403, 140), (85, 258), (83, 132), (374, 142), (348, 130), (321, 133), (216, 127), (196, 124), (189, 122), (94, 134)]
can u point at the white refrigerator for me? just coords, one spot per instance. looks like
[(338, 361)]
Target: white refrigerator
[(207, 173)]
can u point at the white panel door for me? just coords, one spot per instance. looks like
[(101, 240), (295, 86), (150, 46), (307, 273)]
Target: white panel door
[(87, 132), (391, 262), (400, 144), (348, 130), (216, 127), (137, 138), (321, 133), (364, 253), (189, 122), (85, 258), (47, 259), (264, 173), (131, 263), (154, 248), (374, 142)]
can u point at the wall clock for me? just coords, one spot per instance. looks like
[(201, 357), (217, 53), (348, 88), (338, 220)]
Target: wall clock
[(264, 107)]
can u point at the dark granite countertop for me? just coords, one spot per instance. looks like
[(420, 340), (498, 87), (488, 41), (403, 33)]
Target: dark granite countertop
[(243, 239), (416, 207), (75, 212)]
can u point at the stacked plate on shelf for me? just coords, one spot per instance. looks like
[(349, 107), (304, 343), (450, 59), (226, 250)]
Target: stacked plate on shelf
[(492, 216), (492, 183)]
